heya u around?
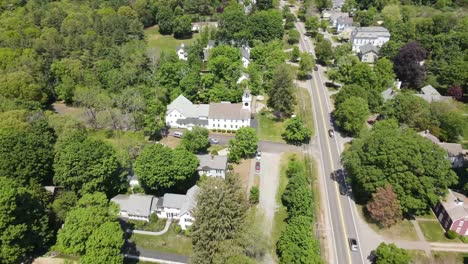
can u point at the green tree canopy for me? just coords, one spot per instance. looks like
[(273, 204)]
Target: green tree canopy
[(384, 207), (281, 91), (104, 245), (351, 115), (24, 224), (86, 165), (408, 109), (297, 197), (196, 140), (295, 132), (244, 144), (160, 168), (266, 25), (324, 51), (390, 254), (416, 168)]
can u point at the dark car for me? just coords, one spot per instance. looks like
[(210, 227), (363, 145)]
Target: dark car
[(353, 244), (315, 68), (257, 166), (331, 133)]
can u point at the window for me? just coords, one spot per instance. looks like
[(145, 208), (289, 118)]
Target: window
[(236, 126), (458, 230), (446, 223), (218, 125), (231, 126), (224, 126), (461, 223)]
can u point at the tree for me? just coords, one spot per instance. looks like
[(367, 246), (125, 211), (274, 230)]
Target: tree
[(306, 64), (266, 26), (264, 4), (85, 165), (390, 253), (351, 115), (297, 197), (165, 20), (384, 71), (24, 222), (196, 140), (452, 126), (456, 92), (407, 64), (182, 27), (312, 24), (104, 245), (85, 219), (233, 24), (323, 4), (296, 244), (27, 154), (293, 36), (160, 168), (254, 195), (416, 168), (63, 203), (349, 91), (244, 144), (295, 132), (324, 51), (281, 91), (384, 207), (408, 109), (295, 54), (219, 217), (290, 20)]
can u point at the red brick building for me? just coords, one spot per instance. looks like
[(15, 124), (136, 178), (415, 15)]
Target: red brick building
[(453, 213)]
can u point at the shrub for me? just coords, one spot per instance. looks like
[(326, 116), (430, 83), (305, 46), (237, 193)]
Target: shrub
[(230, 167), (451, 234), (154, 218), (214, 152), (188, 232), (254, 195), (177, 229)]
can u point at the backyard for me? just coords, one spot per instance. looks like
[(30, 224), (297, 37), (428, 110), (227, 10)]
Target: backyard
[(165, 43), (269, 128), (170, 242)]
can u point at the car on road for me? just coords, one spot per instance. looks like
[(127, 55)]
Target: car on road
[(178, 134), (331, 133), (315, 68), (214, 141), (258, 156), (353, 244), (257, 166)]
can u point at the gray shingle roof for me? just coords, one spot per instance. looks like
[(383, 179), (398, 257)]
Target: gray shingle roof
[(388, 94), (212, 162), (454, 210), (211, 44), (135, 204), (453, 149), (228, 111), (187, 108), (370, 32), (245, 52), (172, 200), (190, 200), (430, 94), (368, 48)]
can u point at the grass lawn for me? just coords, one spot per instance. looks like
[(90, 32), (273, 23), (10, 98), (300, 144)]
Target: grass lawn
[(216, 147), (418, 257), (433, 232), (304, 109), (171, 141), (165, 42), (428, 216), (269, 128), (450, 257), (169, 242), (402, 230)]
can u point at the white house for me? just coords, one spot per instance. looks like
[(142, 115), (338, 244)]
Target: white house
[(174, 206), (181, 113), (212, 165), (376, 36), (245, 54), (181, 52), (369, 53)]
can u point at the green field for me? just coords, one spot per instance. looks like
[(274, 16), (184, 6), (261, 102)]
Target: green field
[(171, 242), (433, 232), (269, 128), (166, 43)]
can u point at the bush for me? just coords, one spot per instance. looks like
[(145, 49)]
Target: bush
[(214, 152), (188, 232), (177, 229), (230, 167), (254, 195), (154, 218), (451, 234), (137, 189), (463, 239)]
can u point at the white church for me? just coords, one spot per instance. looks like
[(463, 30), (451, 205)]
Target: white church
[(182, 113)]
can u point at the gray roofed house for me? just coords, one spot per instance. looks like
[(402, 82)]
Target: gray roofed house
[(190, 201), (343, 23), (228, 111), (430, 94), (376, 36), (388, 94), (452, 212), (455, 152), (369, 53), (172, 200), (135, 206), (212, 165)]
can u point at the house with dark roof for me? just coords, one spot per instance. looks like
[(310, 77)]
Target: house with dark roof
[(212, 165), (452, 213), (369, 53), (171, 205), (181, 113)]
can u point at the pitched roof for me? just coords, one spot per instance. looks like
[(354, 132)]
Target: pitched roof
[(370, 32), (456, 205), (336, 15), (345, 20), (135, 204), (211, 43), (388, 94), (430, 94), (429, 136), (228, 111), (190, 200), (172, 200), (428, 89), (212, 162), (453, 149), (187, 108), (245, 52), (192, 120), (368, 48)]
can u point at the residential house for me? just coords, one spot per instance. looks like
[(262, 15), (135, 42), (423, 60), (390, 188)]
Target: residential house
[(212, 165), (369, 53), (174, 206), (245, 55), (339, 20), (343, 23), (453, 213), (197, 26), (455, 152), (182, 52), (181, 113), (334, 16), (376, 36), (430, 94), (211, 44)]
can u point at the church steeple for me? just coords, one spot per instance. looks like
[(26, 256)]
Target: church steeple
[(246, 100)]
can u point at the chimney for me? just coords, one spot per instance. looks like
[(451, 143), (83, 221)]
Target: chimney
[(458, 201)]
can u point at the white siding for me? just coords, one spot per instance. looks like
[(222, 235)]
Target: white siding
[(227, 124), (213, 173), (172, 117)]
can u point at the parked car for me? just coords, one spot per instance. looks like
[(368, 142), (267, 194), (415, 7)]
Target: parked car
[(353, 244), (331, 133), (214, 141), (258, 156), (315, 68), (257, 166), (178, 134)]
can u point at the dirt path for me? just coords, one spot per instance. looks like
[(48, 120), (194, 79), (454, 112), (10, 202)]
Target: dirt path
[(269, 180)]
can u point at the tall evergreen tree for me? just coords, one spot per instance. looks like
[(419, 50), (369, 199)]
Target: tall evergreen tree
[(281, 91)]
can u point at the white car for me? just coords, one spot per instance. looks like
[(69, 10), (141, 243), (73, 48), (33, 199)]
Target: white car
[(258, 156)]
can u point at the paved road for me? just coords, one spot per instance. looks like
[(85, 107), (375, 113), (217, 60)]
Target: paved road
[(263, 145), (340, 214)]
